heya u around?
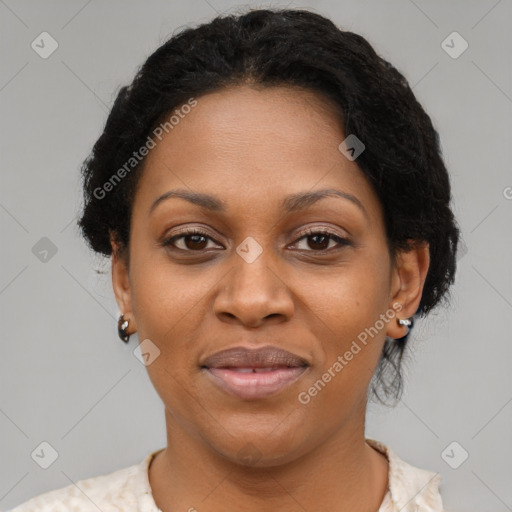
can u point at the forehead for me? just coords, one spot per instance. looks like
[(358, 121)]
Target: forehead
[(246, 144)]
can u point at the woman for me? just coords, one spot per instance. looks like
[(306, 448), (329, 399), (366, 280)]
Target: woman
[(277, 211)]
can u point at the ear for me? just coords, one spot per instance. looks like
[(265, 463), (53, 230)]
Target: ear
[(121, 285), (408, 279)]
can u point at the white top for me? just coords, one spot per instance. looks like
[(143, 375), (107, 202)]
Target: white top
[(410, 489)]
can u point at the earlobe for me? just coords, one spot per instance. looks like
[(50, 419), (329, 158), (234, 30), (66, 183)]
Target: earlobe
[(408, 281)]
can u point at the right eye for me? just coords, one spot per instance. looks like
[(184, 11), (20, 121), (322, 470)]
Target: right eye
[(191, 240)]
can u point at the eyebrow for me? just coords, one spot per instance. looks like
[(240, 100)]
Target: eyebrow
[(291, 203)]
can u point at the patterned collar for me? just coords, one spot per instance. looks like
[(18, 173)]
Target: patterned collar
[(410, 489)]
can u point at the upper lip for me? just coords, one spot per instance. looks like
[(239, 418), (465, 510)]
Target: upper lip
[(264, 357)]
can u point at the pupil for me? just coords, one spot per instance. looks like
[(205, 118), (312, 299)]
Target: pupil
[(196, 239), (324, 239)]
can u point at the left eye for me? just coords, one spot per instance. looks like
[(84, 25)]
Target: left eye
[(320, 239)]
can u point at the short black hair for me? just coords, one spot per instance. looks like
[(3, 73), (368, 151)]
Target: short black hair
[(290, 47)]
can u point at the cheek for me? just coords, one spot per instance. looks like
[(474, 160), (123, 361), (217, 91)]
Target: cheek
[(168, 306), (347, 299), (166, 298), (343, 312)]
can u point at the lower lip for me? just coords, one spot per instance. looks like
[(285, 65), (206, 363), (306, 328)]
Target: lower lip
[(251, 385)]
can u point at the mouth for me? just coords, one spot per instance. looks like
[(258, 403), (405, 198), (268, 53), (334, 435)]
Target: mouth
[(254, 374)]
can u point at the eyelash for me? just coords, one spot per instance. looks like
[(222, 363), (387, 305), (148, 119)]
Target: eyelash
[(305, 234)]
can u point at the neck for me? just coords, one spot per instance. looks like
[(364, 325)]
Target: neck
[(342, 474)]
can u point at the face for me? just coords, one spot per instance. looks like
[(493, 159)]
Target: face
[(255, 265)]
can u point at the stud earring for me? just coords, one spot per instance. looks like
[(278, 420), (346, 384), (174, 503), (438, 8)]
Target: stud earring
[(407, 322), (404, 322)]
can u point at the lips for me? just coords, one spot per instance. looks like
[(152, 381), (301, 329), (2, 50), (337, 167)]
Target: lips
[(252, 374), (264, 357)]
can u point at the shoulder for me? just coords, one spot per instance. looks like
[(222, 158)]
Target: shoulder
[(410, 488), (124, 489)]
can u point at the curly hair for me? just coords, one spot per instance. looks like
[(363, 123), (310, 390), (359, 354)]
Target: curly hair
[(270, 47)]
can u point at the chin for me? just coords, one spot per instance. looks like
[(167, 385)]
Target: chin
[(259, 450)]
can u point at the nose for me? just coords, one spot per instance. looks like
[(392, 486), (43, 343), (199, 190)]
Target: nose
[(253, 294)]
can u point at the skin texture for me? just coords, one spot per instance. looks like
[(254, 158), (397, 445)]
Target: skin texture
[(252, 147)]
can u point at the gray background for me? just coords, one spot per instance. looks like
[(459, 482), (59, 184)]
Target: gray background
[(66, 377)]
